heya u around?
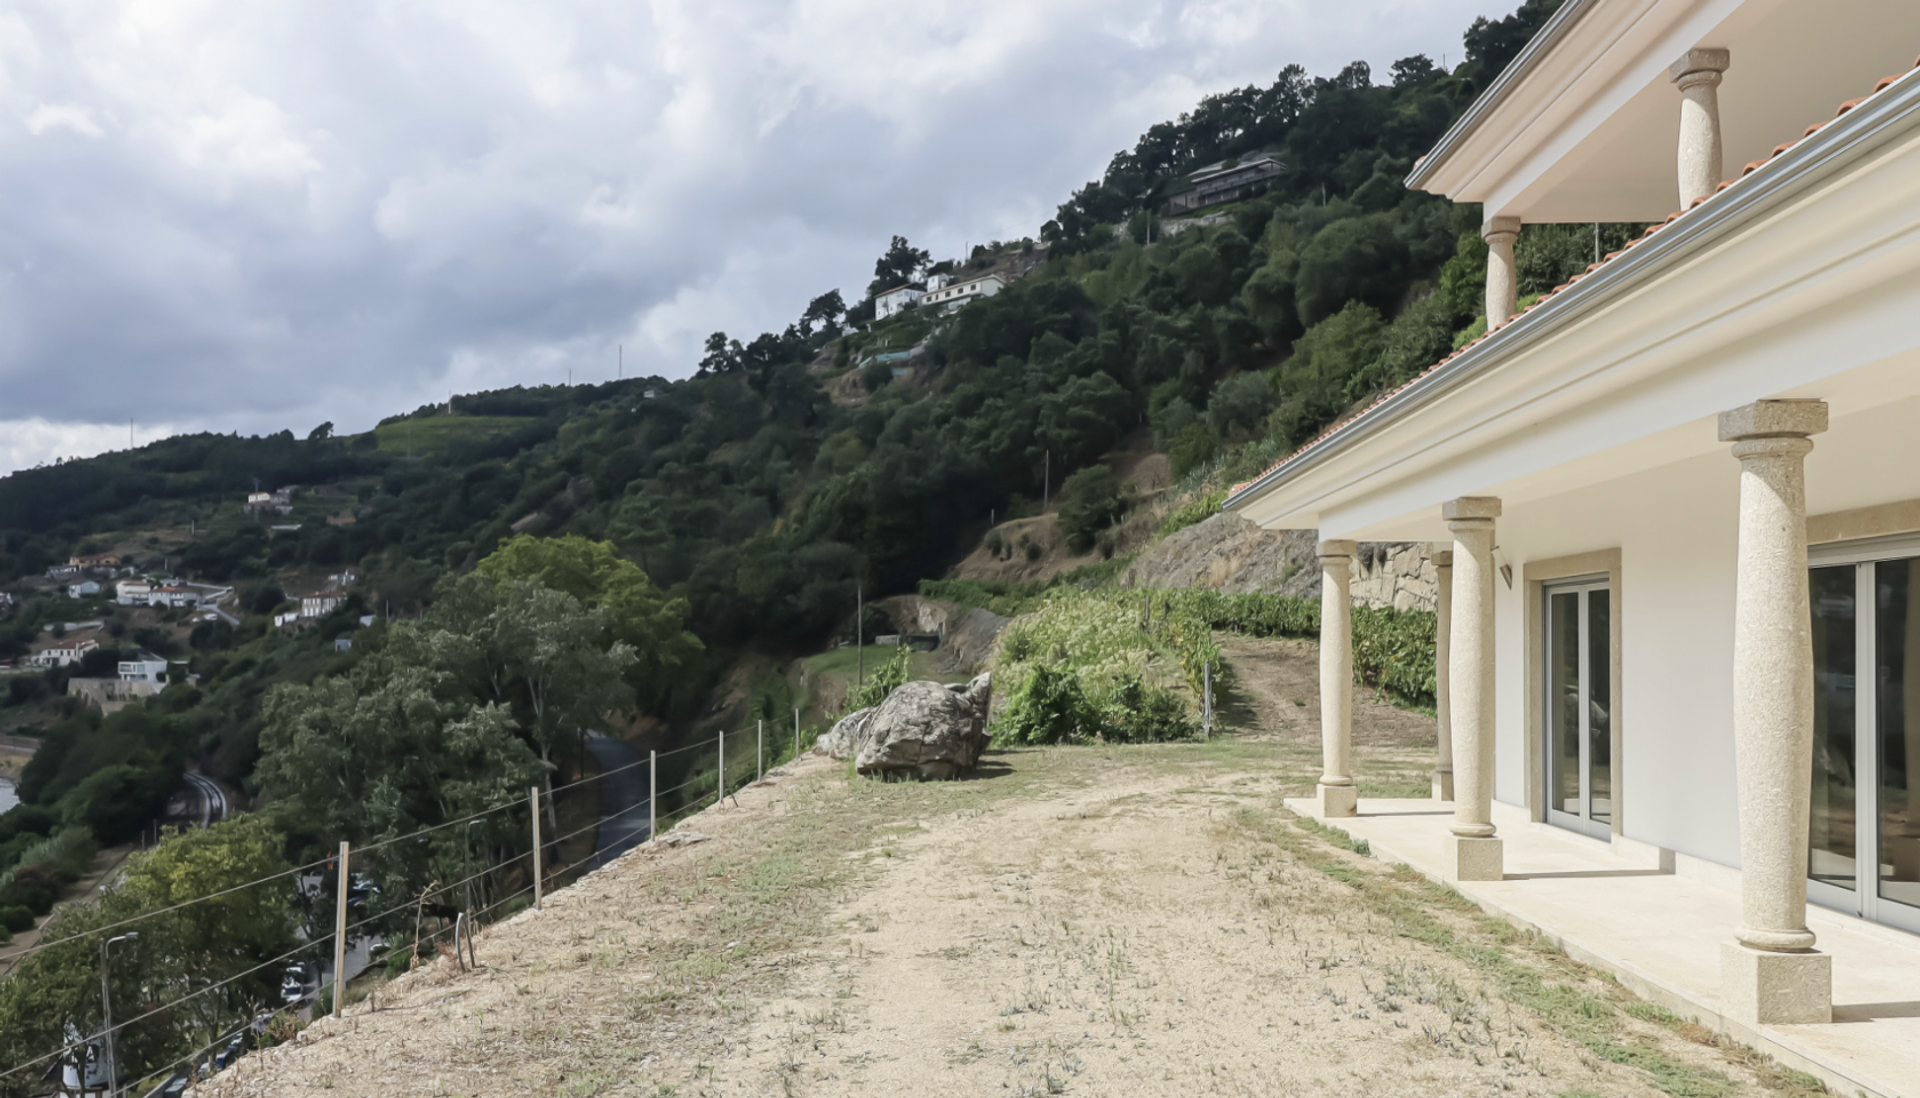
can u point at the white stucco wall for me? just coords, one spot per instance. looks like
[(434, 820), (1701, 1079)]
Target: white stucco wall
[(1675, 528)]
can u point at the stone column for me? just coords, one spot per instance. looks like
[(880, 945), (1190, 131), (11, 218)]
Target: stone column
[(1337, 794), (1697, 75), (1471, 852), (1770, 973), (1502, 280), (1443, 624)]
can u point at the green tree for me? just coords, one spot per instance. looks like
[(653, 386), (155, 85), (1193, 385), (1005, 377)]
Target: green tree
[(899, 264), (1090, 501), (638, 614), (178, 954), (529, 650), (1314, 382)]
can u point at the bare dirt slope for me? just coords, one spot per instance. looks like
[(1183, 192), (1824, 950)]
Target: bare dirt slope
[(1090, 920)]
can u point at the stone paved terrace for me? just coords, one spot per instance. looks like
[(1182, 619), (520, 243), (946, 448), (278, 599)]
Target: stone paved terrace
[(1660, 934)]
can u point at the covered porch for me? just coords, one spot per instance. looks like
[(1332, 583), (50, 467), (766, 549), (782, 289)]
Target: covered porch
[(1660, 933)]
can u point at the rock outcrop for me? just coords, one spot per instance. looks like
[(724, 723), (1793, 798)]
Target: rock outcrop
[(923, 729), (1229, 553)]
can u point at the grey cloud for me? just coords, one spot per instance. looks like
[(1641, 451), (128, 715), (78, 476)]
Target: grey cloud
[(261, 216)]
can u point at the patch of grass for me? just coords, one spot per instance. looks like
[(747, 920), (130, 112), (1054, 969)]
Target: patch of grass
[(437, 433), (1512, 962)]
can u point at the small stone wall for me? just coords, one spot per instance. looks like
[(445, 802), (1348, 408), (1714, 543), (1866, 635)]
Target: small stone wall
[(1400, 574)]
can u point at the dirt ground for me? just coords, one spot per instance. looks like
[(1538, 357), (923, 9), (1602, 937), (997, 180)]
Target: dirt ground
[(1073, 920)]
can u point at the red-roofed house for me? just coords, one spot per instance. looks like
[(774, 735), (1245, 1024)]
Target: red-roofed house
[(1680, 496)]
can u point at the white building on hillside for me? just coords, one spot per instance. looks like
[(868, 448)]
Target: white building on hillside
[(82, 589), (146, 667), (133, 592), (62, 653), (889, 302), (1680, 502), (952, 297), (173, 595)]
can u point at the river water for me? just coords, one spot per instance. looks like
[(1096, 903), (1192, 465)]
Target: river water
[(7, 797)]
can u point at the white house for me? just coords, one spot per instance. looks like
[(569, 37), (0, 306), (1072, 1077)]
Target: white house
[(173, 595), (146, 667), (133, 592), (889, 302), (951, 297), (62, 653), (320, 604), (280, 500), (1679, 499), (82, 589)]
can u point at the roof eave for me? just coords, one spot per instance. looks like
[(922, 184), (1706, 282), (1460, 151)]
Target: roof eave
[(1549, 36), (1726, 212)]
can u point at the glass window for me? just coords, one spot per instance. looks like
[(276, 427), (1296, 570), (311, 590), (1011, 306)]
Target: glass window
[(1896, 599), (1831, 842)]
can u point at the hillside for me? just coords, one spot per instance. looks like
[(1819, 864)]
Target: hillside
[(1086, 920), (428, 619)]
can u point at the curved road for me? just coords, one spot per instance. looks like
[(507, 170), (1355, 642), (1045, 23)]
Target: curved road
[(623, 799), (213, 799)]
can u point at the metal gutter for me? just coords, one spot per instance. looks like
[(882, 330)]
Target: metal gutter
[(1725, 213), (1510, 77)]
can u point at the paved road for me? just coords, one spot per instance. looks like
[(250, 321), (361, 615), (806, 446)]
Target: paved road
[(623, 799), (213, 799)]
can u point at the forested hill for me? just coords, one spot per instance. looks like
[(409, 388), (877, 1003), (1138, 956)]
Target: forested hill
[(796, 465)]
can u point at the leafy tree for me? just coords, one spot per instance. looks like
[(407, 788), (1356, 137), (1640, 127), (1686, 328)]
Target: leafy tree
[(1493, 43), (521, 647), (900, 264), (1358, 259), (1314, 382), (638, 615), (1090, 501), (823, 312), (1240, 405), (192, 951), (392, 747)]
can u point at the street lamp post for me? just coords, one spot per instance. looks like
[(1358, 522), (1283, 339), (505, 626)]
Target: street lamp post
[(106, 1012)]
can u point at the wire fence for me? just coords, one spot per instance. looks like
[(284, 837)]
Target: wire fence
[(737, 758)]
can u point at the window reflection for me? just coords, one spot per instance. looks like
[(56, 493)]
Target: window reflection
[(1831, 842)]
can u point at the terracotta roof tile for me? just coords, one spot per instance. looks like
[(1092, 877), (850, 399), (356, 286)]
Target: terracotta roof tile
[(1753, 166)]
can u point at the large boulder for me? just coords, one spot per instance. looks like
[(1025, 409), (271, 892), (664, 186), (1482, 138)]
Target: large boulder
[(923, 729)]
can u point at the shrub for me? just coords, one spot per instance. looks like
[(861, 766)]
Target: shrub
[(16, 919), (1191, 448), (1198, 511), (1241, 404), (1089, 503), (882, 682), (1147, 713), (1049, 706)]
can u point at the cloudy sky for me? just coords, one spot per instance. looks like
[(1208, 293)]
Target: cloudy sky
[(247, 216)]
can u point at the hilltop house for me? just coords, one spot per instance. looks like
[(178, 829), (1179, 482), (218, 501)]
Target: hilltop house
[(889, 302), (144, 667), (280, 500), (1678, 499), (95, 562), (63, 652), (173, 595), (951, 296), (1226, 181)]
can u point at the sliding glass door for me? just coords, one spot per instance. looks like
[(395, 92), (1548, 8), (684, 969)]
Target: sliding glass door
[(1578, 691), (1864, 834)]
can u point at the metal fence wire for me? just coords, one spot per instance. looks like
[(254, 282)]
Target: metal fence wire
[(746, 747)]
